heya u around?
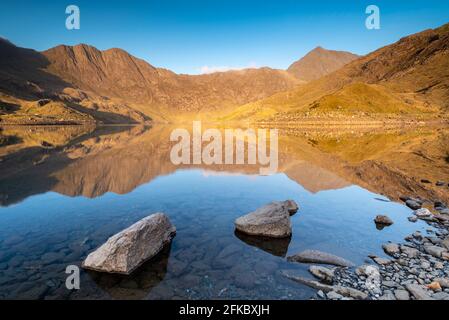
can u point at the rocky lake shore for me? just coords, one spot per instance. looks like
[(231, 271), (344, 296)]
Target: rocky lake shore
[(417, 269)]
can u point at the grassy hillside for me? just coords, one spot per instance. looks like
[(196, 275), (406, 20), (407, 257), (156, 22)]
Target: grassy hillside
[(409, 76)]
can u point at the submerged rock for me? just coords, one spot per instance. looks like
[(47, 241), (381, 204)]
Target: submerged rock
[(126, 251), (310, 283), (338, 289), (315, 256), (272, 220), (292, 207), (275, 246), (324, 274), (383, 220)]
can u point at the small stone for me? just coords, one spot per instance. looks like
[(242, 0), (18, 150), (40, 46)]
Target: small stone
[(410, 252), (423, 213), (413, 219), (413, 204), (388, 297), (383, 220), (441, 296), (292, 207), (391, 248), (389, 284), (435, 286), (351, 292), (445, 243), (334, 296), (402, 295), (417, 235), (443, 282), (382, 261)]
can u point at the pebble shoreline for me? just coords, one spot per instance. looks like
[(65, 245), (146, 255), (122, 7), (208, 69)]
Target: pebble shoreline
[(417, 269)]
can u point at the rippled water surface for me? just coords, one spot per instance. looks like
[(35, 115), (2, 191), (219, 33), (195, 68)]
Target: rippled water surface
[(59, 204)]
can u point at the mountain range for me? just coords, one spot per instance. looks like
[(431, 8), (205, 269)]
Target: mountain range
[(79, 84)]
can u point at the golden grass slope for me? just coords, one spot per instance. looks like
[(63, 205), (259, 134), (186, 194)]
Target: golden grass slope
[(413, 71)]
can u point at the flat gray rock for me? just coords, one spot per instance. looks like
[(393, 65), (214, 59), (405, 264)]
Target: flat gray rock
[(315, 256), (126, 251), (418, 292), (272, 220), (435, 251)]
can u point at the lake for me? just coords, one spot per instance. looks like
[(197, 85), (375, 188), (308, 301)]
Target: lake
[(65, 190)]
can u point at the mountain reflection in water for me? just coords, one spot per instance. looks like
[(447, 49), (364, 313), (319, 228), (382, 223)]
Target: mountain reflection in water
[(86, 161), (65, 190)]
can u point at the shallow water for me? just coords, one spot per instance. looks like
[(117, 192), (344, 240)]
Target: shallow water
[(57, 212)]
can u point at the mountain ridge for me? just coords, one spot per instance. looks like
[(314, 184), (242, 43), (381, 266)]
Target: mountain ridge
[(112, 86)]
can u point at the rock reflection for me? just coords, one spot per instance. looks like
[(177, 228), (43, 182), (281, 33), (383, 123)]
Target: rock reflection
[(276, 247), (138, 285)]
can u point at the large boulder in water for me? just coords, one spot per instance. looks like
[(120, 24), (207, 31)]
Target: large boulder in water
[(272, 220), (126, 251)]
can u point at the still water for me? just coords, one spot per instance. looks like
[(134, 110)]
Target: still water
[(60, 203)]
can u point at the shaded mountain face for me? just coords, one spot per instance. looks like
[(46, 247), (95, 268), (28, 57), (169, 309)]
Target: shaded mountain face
[(320, 62), (411, 75)]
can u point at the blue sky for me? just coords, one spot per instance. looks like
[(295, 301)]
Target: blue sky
[(190, 36)]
